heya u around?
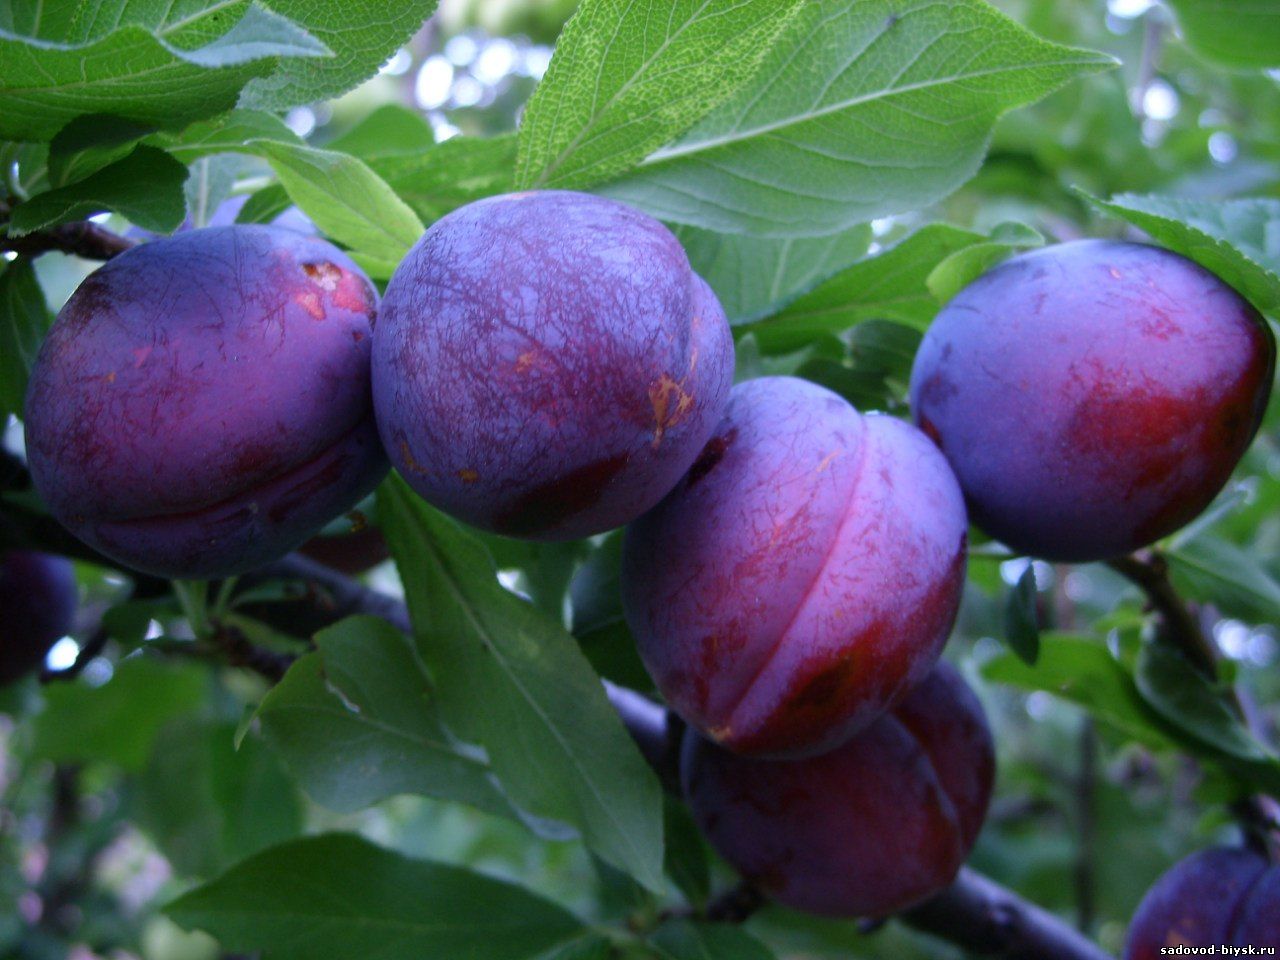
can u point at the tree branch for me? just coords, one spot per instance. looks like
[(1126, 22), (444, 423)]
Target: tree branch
[(82, 238)]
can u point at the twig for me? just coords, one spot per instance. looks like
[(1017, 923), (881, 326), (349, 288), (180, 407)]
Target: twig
[(82, 238)]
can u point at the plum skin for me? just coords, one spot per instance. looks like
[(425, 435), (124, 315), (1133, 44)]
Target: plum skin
[(866, 830), (1093, 396), (202, 403), (547, 364), (803, 575), (1216, 897), (37, 609)]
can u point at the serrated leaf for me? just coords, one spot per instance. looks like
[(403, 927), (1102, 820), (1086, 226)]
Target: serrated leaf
[(1021, 622), (964, 266), (752, 275), (513, 681), (89, 143), (355, 723), (1234, 33), (862, 109), (24, 320), (891, 285), (391, 130), (139, 75), (363, 34), (451, 173), (345, 199), (1239, 240), (338, 895), (145, 187), (686, 940), (235, 131), (631, 75)]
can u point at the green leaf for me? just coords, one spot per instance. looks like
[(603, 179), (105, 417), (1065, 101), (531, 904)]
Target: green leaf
[(238, 131), (964, 266), (891, 285), (751, 275), (345, 199), (1239, 240), (450, 174), (207, 804), (862, 109), (876, 368), (391, 130), (138, 75), (686, 857), (119, 721), (1235, 33), (24, 320), (340, 896), (363, 35), (145, 187), (356, 723), (1186, 699), (686, 940), (89, 143), (1021, 622), (513, 681), (631, 75), (1213, 570), (265, 205), (1084, 672)]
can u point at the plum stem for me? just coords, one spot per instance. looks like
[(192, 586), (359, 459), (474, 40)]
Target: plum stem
[(82, 238)]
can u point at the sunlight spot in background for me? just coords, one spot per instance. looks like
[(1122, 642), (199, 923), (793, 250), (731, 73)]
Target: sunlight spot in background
[(62, 654), (1129, 9), (461, 50), (536, 61), (398, 65), (1039, 704), (443, 129), (1160, 102), (154, 630), (11, 256), (98, 672), (467, 92), (1223, 147), (496, 61), (1240, 641), (435, 77), (301, 120), (1011, 572)]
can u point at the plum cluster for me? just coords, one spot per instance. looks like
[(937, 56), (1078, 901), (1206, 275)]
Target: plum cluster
[(548, 366), (37, 609)]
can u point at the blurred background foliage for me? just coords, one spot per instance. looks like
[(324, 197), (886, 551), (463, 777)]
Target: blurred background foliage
[(123, 790)]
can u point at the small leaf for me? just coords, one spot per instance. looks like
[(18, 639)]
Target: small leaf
[(145, 188), (631, 75), (345, 199), (389, 131), (1213, 570), (964, 266), (89, 143), (513, 681), (450, 174), (686, 858), (1239, 240), (235, 131), (264, 205), (337, 895), (1021, 622), (891, 285), (24, 320), (752, 275)]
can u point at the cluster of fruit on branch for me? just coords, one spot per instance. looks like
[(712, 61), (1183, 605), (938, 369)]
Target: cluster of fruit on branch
[(548, 366)]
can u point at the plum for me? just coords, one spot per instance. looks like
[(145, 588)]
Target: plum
[(802, 576), (202, 403), (1215, 898), (1094, 396), (37, 609), (547, 364), (870, 828)]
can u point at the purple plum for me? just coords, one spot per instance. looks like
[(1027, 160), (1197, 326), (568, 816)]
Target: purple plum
[(1215, 898), (202, 404), (870, 828), (37, 609), (802, 576), (1092, 397), (548, 365)]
